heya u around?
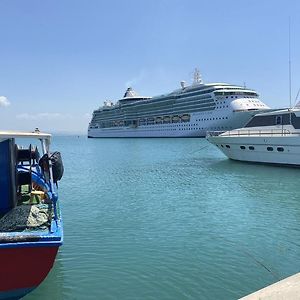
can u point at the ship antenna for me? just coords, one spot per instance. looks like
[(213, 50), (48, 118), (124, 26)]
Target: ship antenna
[(290, 71), (197, 77)]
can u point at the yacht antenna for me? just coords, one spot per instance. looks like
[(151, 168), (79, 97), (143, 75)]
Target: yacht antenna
[(290, 72)]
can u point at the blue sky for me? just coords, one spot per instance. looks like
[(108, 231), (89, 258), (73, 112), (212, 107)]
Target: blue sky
[(59, 60)]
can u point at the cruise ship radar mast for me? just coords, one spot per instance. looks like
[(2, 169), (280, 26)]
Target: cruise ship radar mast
[(197, 77)]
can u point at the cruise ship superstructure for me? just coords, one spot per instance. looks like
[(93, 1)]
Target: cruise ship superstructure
[(190, 111)]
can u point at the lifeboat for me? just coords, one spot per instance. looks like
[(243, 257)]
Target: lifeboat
[(167, 119), (150, 120), (158, 120), (175, 119), (185, 118)]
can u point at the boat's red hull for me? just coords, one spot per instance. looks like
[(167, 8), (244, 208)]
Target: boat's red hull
[(24, 268)]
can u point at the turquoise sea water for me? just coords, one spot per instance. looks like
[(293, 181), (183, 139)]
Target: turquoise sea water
[(170, 219)]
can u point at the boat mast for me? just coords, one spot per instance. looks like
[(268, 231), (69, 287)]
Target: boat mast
[(290, 71)]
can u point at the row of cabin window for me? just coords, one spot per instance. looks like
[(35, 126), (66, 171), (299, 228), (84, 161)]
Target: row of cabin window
[(279, 149), (209, 119)]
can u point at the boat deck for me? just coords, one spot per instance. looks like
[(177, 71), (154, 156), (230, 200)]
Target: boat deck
[(32, 220)]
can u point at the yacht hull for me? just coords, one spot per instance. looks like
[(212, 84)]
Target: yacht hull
[(282, 150)]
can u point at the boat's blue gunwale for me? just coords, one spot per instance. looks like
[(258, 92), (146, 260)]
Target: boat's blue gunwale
[(49, 239), (32, 244)]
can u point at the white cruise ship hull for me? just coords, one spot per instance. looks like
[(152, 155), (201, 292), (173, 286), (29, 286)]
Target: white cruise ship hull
[(278, 149), (198, 125), (190, 111)]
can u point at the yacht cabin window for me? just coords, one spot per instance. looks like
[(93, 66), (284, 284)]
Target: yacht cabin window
[(278, 120), (269, 120)]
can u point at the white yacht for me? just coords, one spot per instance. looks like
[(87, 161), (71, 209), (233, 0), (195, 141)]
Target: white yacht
[(272, 137), (190, 111)]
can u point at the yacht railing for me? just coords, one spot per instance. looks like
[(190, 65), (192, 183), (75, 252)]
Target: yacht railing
[(214, 133), (271, 132)]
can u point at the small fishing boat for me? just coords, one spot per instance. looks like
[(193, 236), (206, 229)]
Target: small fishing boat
[(30, 221)]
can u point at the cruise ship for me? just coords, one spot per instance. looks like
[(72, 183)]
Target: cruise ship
[(190, 111)]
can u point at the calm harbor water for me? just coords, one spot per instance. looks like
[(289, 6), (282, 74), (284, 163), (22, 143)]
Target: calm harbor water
[(170, 219)]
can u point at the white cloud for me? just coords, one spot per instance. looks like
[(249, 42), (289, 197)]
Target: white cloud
[(4, 101), (43, 116)]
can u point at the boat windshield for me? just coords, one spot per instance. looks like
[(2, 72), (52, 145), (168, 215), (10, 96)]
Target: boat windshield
[(273, 120)]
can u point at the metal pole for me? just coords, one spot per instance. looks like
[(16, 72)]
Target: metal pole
[(290, 71)]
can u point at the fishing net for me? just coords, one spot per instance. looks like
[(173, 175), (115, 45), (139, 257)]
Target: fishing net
[(27, 217)]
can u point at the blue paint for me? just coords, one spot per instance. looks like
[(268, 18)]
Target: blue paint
[(16, 294), (6, 197), (46, 239)]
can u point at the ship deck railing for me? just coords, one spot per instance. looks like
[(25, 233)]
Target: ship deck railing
[(244, 132)]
